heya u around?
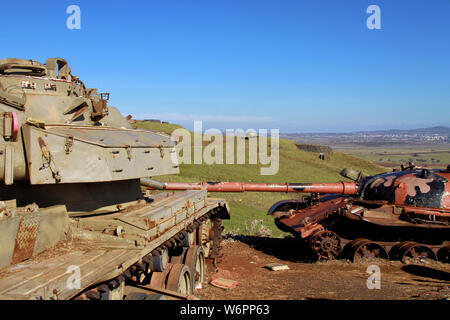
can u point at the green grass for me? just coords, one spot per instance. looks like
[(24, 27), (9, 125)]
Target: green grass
[(156, 126), (294, 166)]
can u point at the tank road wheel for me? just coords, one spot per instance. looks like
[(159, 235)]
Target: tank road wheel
[(159, 279), (326, 244), (415, 252), (160, 261), (135, 296), (155, 296), (363, 249), (444, 254), (179, 279), (195, 260), (178, 255), (144, 296), (395, 250), (189, 239)]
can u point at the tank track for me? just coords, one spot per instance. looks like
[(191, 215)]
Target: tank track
[(328, 245), (158, 272)]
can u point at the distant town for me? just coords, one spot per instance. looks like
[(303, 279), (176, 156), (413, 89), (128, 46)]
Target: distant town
[(435, 135)]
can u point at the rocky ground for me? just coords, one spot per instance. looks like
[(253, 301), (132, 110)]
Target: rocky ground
[(244, 259)]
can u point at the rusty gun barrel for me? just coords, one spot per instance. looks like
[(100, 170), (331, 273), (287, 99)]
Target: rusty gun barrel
[(335, 187)]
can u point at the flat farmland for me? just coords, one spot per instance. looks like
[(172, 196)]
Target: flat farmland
[(435, 155)]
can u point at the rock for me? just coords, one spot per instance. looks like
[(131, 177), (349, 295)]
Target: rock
[(224, 283), (276, 266)]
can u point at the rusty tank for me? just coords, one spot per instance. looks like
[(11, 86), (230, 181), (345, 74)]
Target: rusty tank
[(75, 222), (400, 215)]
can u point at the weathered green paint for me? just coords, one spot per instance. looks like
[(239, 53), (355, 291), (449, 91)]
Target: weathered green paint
[(84, 139), (71, 172)]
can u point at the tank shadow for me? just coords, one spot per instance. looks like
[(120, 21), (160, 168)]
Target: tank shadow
[(288, 248), (427, 272)]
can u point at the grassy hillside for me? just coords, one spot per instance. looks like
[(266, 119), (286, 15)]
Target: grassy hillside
[(157, 126), (295, 165)]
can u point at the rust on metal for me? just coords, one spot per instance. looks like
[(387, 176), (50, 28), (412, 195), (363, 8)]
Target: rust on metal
[(44, 148), (357, 219), (338, 187), (149, 223), (26, 237)]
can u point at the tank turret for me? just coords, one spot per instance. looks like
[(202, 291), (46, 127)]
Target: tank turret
[(62, 140)]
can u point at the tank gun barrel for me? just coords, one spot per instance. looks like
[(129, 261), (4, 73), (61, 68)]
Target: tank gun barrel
[(335, 187)]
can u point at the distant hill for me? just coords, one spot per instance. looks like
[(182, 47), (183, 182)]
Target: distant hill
[(439, 130), (434, 135)]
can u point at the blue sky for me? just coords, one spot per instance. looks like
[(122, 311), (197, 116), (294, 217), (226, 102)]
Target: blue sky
[(300, 66)]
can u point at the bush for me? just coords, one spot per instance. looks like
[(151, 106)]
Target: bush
[(256, 228), (314, 148)]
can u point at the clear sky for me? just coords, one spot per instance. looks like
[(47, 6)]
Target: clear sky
[(300, 66)]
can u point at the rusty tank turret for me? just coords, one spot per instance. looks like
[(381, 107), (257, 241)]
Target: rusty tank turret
[(74, 222), (401, 215)]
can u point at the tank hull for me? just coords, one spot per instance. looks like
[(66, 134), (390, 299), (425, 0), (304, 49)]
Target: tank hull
[(337, 223), (107, 251)]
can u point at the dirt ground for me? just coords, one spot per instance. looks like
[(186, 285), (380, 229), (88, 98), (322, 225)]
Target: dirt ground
[(244, 259)]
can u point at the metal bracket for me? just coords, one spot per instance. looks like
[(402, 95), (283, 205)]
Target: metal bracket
[(161, 151), (68, 144), (48, 160), (9, 165), (129, 155), (10, 126)]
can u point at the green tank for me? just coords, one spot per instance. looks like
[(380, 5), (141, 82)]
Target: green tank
[(74, 221)]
